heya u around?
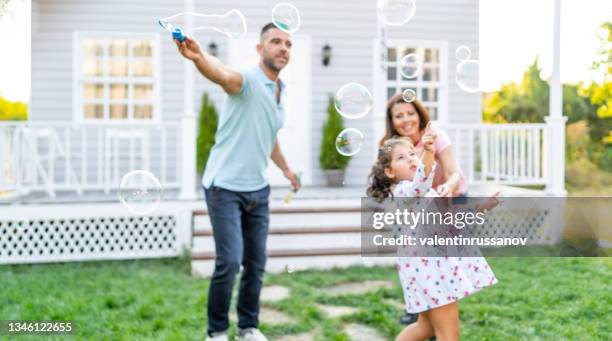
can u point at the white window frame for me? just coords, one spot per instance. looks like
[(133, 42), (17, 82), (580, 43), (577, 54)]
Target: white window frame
[(443, 75), (79, 79)]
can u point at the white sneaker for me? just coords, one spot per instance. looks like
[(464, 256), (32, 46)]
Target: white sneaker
[(251, 334), (222, 336)]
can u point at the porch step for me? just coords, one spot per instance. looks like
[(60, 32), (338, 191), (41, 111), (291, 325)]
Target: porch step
[(292, 253), (291, 210), (300, 238), (292, 230)]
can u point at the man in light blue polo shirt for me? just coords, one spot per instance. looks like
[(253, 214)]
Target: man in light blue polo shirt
[(234, 180)]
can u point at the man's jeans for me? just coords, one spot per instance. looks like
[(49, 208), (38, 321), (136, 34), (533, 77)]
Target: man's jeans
[(240, 227)]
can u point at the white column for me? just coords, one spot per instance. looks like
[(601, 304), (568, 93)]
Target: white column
[(379, 91), (556, 120), (188, 123)]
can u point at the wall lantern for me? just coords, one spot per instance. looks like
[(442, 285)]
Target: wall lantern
[(327, 53), (213, 49)]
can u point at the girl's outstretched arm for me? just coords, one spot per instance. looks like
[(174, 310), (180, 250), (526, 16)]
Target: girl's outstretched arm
[(419, 186), (429, 146)]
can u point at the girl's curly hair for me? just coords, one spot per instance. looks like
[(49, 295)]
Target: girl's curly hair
[(380, 183)]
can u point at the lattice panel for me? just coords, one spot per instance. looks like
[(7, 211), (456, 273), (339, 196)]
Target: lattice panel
[(536, 225), (49, 240)]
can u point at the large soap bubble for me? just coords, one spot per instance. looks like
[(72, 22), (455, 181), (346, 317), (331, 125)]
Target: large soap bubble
[(353, 100), (349, 141), (286, 17), (395, 12), (411, 65), (463, 53), (140, 192), (467, 71), (232, 24)]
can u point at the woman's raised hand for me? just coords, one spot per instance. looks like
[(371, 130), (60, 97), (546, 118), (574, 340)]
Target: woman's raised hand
[(429, 139)]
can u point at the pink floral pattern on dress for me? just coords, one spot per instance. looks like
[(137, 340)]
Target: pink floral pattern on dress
[(430, 282), (419, 187)]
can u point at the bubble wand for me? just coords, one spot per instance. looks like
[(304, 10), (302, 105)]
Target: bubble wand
[(177, 32), (293, 190)]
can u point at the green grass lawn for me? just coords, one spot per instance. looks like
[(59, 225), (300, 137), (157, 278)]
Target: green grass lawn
[(537, 298)]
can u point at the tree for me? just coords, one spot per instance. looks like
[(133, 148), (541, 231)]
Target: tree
[(207, 127), (524, 102), (13, 110), (528, 102), (601, 97)]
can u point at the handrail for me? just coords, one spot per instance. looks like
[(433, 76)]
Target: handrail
[(49, 156)]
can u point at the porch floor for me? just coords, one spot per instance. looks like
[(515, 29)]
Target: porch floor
[(307, 196)]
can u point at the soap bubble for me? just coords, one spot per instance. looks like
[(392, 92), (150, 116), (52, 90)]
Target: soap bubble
[(411, 65), (232, 24), (409, 95), (353, 100), (286, 17), (467, 70), (349, 141), (467, 76), (463, 53), (289, 268), (395, 12), (140, 192)]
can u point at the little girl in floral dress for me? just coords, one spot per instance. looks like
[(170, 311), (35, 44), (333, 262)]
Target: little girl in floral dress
[(432, 285)]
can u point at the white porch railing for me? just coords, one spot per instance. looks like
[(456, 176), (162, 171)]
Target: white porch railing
[(509, 154), (56, 156)]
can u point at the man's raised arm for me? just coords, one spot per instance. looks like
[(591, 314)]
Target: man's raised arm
[(210, 67)]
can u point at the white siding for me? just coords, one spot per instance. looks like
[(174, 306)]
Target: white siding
[(54, 22), (348, 26), (53, 25), (454, 21)]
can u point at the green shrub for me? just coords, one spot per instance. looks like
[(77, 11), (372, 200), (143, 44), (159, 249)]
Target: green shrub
[(329, 156), (576, 141), (601, 154), (207, 126)]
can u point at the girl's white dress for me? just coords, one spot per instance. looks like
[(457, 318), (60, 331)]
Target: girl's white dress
[(430, 282)]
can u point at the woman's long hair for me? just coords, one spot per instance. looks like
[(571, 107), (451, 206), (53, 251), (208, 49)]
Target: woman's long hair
[(380, 183), (390, 131)]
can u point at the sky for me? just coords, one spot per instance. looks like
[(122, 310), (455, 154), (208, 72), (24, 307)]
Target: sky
[(512, 34), (14, 52)]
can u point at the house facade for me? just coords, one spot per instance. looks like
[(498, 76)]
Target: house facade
[(110, 64), (111, 94)]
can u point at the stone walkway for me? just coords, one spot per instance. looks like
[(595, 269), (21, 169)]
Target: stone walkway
[(355, 331), (355, 288), (298, 337), (360, 332), (334, 311), (274, 293), (268, 316)]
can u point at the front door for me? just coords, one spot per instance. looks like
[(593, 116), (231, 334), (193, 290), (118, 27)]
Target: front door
[(294, 137)]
